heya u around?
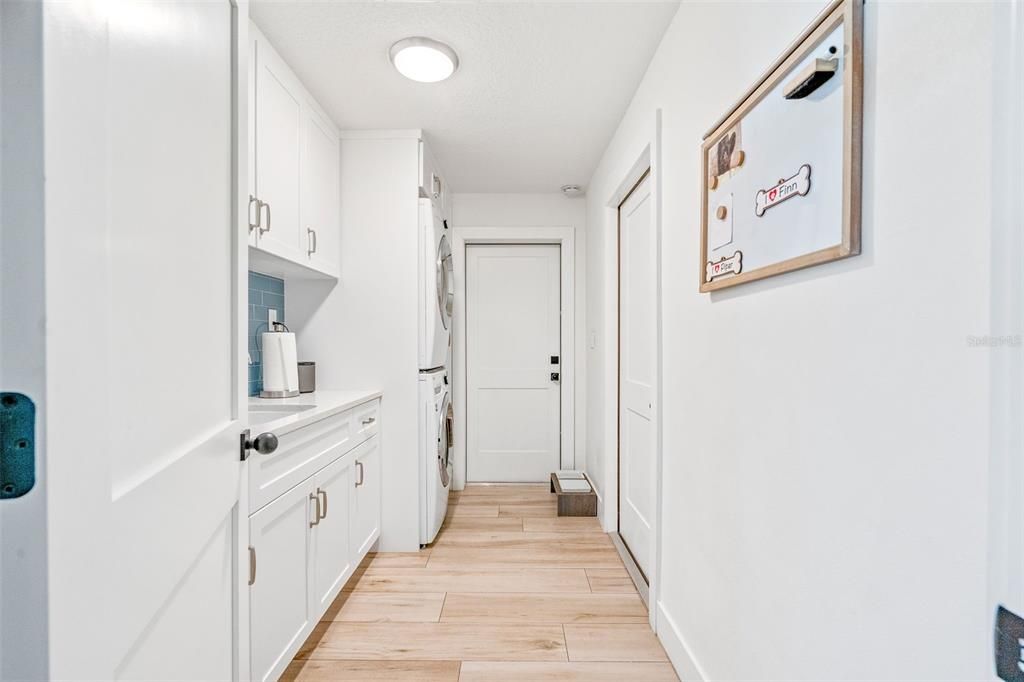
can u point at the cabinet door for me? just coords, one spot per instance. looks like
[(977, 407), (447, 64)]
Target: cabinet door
[(321, 220), (251, 130), (366, 500), (278, 159), (332, 556), (279, 617)]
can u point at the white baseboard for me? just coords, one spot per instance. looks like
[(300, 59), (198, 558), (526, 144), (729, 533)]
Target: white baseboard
[(678, 653)]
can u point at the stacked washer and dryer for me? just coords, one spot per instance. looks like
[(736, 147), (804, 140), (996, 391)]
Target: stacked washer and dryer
[(437, 293)]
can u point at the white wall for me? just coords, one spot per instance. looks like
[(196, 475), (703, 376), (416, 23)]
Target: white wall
[(827, 519), (363, 332), (539, 210)]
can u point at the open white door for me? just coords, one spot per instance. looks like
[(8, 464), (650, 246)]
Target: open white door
[(143, 274), (637, 366)]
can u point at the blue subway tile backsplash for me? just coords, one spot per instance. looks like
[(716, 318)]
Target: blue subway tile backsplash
[(265, 293)]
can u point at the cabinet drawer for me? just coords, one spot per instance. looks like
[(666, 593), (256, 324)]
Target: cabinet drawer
[(365, 421), (300, 453)]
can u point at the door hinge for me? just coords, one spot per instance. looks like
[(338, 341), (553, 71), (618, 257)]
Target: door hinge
[(17, 445)]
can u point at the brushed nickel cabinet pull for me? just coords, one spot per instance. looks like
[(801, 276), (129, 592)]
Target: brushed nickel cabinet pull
[(320, 492), (264, 204), (359, 481), (252, 565), (259, 213), (311, 237), (316, 521)]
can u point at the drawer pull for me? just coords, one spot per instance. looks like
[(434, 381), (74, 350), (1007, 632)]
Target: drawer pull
[(359, 480), (252, 566), (324, 493), (315, 498), (369, 420)]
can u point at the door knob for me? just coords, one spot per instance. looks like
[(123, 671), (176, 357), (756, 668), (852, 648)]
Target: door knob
[(554, 376), (265, 444)]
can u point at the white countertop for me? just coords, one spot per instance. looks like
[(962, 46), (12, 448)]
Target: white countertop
[(321, 404)]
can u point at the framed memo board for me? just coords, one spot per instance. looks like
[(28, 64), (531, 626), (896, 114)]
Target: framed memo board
[(781, 171)]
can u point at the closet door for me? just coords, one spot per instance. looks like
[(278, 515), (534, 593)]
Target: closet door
[(279, 113)]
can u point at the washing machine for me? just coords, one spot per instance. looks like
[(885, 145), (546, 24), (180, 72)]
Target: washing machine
[(435, 451), (437, 289)]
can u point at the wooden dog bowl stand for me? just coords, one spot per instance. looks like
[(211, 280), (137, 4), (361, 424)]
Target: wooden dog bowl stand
[(574, 503)]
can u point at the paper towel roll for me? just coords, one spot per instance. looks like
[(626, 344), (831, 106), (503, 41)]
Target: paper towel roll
[(280, 364)]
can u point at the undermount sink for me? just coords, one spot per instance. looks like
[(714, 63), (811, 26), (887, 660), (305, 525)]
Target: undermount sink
[(261, 414)]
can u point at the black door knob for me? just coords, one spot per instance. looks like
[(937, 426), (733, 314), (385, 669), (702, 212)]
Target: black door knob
[(554, 376), (265, 443)]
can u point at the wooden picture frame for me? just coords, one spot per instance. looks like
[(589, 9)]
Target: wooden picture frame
[(848, 13)]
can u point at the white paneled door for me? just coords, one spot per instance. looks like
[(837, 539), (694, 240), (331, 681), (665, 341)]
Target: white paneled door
[(637, 367), (513, 336), (145, 240)]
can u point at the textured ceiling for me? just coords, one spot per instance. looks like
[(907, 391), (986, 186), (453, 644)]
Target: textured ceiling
[(539, 92)]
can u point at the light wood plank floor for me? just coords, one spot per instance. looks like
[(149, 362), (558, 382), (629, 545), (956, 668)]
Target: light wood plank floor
[(507, 592)]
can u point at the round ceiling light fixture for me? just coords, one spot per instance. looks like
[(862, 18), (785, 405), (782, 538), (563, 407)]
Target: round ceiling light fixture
[(572, 190), (423, 59)]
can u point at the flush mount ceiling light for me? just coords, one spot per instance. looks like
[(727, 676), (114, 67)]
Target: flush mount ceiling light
[(572, 190), (423, 59)]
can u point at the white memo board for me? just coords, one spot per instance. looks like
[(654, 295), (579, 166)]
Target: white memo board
[(781, 176)]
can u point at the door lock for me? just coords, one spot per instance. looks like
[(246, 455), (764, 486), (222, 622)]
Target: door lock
[(554, 376)]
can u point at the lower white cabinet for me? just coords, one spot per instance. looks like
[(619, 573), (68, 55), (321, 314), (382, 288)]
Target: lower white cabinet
[(279, 577), (334, 559), (304, 546), (366, 497)]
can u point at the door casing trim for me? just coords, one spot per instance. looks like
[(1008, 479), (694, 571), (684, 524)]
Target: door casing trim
[(647, 160), (565, 237)]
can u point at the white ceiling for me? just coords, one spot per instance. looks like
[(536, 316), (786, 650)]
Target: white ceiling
[(539, 92)]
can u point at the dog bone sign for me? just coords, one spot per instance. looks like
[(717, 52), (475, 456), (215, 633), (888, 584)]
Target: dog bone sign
[(732, 265), (797, 186)]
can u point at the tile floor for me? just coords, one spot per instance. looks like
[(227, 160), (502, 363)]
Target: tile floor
[(508, 592)]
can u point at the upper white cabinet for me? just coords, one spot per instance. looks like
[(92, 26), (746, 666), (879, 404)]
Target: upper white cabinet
[(321, 214), (432, 182), (295, 168), (278, 153)]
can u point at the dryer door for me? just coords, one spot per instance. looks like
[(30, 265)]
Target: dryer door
[(444, 441), (445, 281)]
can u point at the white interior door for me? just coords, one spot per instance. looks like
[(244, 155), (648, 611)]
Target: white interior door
[(145, 231), (513, 334), (637, 366)]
